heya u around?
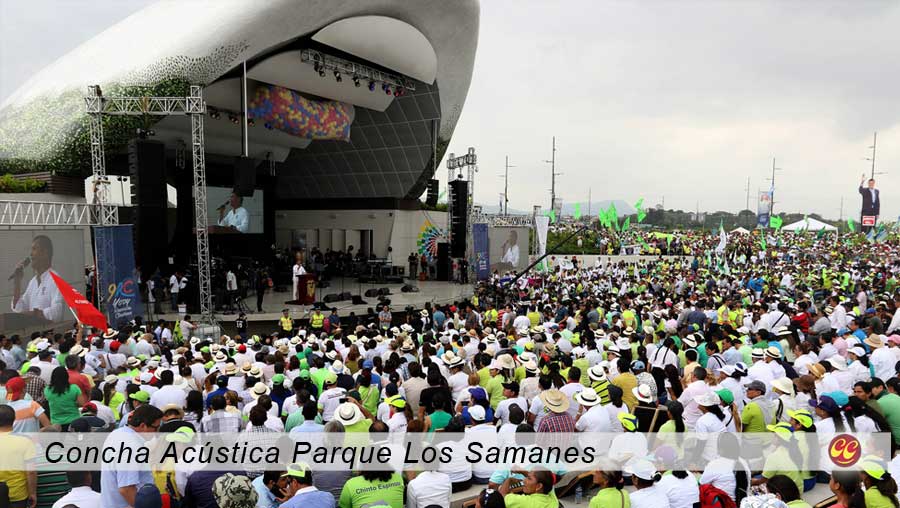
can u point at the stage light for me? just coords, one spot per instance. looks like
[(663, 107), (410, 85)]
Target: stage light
[(337, 76), (356, 81), (233, 118), (398, 92), (387, 88), (250, 122), (268, 126), (214, 114), (371, 86)]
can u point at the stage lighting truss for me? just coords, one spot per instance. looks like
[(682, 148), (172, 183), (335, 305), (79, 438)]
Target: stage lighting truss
[(392, 84)]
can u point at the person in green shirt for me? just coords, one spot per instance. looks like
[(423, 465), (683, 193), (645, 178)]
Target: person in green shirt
[(784, 488), (537, 490), (64, 399), (609, 496), (494, 386), (373, 488), (890, 405), (784, 460), (881, 488)]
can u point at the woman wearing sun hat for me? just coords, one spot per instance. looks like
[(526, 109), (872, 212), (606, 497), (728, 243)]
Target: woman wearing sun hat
[(711, 421)]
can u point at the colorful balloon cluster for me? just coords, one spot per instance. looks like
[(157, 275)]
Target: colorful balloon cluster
[(286, 110)]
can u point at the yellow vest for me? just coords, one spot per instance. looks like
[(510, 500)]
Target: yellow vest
[(287, 324), (317, 320)]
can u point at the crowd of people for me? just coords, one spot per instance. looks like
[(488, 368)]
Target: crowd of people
[(800, 339)]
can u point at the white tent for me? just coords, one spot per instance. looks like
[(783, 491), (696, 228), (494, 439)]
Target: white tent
[(740, 230), (813, 225)]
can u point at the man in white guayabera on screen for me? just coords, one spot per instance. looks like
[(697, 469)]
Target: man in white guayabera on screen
[(41, 297), (237, 219)]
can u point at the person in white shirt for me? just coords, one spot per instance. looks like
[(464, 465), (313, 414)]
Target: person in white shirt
[(511, 392), (428, 488), (175, 288), (237, 220), (168, 393), (882, 359), (644, 477), (81, 494), (41, 298), (298, 270), (592, 417), (696, 388)]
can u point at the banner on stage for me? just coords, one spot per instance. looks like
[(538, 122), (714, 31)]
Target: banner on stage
[(481, 248), (764, 208), (118, 292), (868, 220)]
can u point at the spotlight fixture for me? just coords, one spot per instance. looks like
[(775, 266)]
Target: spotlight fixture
[(371, 86), (233, 118), (386, 88), (356, 81), (321, 72), (268, 126), (337, 76), (398, 91), (250, 122), (214, 114)]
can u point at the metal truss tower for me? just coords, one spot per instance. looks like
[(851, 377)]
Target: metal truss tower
[(193, 105)]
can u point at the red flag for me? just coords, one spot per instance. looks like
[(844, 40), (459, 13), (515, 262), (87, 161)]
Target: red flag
[(84, 310)]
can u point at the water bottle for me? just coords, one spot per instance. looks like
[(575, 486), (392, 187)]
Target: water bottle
[(579, 494)]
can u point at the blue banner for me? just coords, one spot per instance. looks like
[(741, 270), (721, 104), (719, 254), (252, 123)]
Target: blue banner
[(117, 288), (763, 209), (481, 248)]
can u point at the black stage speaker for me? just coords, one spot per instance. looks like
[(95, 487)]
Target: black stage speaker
[(357, 300), (459, 192), (147, 168), (331, 298), (443, 261), (431, 198), (345, 296), (244, 176), (372, 293)]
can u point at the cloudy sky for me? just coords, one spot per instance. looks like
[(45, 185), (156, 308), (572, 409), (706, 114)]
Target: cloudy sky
[(682, 100)]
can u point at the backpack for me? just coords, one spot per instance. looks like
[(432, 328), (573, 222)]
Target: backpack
[(712, 497)]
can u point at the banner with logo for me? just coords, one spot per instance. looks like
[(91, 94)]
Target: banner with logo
[(482, 250), (764, 209), (117, 289), (541, 226)]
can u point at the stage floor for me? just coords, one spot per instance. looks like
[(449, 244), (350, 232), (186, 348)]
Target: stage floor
[(436, 292)]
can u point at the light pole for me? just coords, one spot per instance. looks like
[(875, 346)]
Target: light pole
[(553, 175), (772, 189), (872, 158), (505, 195)]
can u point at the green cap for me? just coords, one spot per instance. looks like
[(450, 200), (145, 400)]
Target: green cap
[(298, 469), (140, 396), (331, 378), (278, 379), (726, 396), (181, 435), (304, 374)]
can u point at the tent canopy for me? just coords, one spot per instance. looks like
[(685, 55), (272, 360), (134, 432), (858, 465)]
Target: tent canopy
[(740, 230), (814, 225)]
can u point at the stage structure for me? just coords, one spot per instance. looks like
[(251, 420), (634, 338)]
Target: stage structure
[(193, 106)]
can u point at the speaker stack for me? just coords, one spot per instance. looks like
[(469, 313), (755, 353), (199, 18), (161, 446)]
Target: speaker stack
[(431, 198), (147, 168), (459, 216), (443, 261)]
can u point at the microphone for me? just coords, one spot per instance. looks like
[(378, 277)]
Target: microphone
[(18, 271), (224, 205)]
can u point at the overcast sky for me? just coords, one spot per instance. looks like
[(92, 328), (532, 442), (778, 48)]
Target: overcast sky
[(646, 99)]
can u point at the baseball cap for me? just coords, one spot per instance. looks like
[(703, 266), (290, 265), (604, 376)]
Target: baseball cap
[(140, 396), (757, 385), (477, 412), (477, 393), (298, 469), (825, 403), (14, 386), (512, 385), (725, 396)]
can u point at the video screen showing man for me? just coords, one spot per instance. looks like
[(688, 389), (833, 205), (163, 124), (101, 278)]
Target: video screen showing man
[(41, 297), (237, 220), (510, 254), (871, 201)]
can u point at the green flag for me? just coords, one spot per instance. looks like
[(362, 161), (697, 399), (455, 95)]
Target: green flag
[(668, 241), (613, 216), (577, 211), (552, 215), (626, 223), (643, 243), (820, 234), (640, 202), (641, 215), (762, 241), (852, 225), (775, 222), (604, 219)]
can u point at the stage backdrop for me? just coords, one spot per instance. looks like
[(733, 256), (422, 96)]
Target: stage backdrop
[(117, 289), (508, 248), (481, 249), (60, 250)]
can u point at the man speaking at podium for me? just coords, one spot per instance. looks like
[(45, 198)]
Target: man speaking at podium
[(871, 202), (41, 298), (237, 220)]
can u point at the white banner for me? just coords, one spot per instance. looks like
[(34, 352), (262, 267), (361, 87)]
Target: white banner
[(542, 225)]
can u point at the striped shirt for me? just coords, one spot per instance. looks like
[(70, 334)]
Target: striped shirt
[(221, 421)]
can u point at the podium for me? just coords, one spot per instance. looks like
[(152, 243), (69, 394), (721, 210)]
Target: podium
[(306, 290)]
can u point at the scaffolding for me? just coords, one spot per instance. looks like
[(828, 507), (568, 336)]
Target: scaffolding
[(38, 213), (193, 105)]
